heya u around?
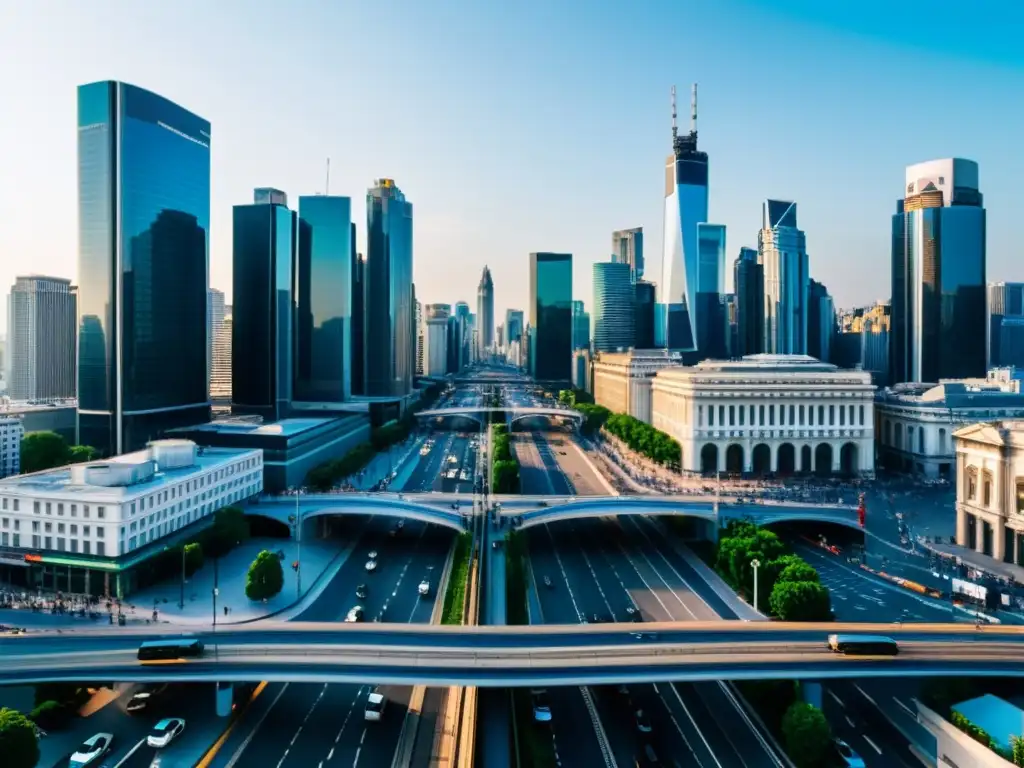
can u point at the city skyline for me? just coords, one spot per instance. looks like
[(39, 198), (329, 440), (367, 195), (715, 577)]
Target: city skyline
[(460, 233)]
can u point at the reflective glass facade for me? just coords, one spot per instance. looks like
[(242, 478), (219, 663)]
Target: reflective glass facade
[(748, 282), (1005, 321), (262, 333), (389, 338), (782, 252), (551, 316), (323, 318), (643, 323), (613, 307), (144, 211), (628, 248), (712, 324)]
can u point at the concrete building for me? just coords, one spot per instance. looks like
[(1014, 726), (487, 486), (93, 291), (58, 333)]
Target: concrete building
[(84, 528), (216, 311), (622, 381), (1005, 325), (12, 429), (862, 341), (60, 417), (220, 371), (990, 489), (915, 422), (421, 331), (768, 414), (41, 324)]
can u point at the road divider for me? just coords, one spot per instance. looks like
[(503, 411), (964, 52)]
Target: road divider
[(454, 602)]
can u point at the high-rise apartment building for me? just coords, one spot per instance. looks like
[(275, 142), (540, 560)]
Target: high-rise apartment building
[(712, 324), (12, 430), (643, 314), (41, 328), (580, 326), (1005, 342), (551, 326), (262, 331), (748, 283), (513, 325), (686, 206), (628, 248), (435, 339), (613, 308), (220, 370), (782, 252), (862, 341), (388, 341), (215, 312), (485, 312), (938, 275), (144, 219), (323, 300)]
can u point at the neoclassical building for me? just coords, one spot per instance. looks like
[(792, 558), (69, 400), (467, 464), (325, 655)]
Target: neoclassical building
[(990, 489), (622, 380), (768, 413)]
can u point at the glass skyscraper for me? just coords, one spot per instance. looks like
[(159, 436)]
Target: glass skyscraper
[(323, 273), (264, 238), (613, 306), (782, 252), (748, 283), (513, 325), (551, 316), (938, 275), (144, 220), (1005, 341), (643, 314), (580, 326), (485, 313), (713, 324), (628, 248), (388, 336)]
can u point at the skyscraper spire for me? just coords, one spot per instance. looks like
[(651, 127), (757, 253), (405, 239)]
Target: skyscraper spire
[(693, 110), (675, 129)]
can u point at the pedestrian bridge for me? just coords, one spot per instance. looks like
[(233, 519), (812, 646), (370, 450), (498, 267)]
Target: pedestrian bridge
[(512, 656)]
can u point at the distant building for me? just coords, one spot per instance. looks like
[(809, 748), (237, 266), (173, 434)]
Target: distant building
[(269, 196), (12, 430), (551, 321), (821, 322), (782, 252), (435, 337), (862, 341), (582, 370), (215, 312), (580, 326), (613, 307), (421, 330), (711, 323), (1005, 325), (58, 416), (628, 248), (748, 282), (485, 312), (644, 299), (513, 325), (622, 381), (41, 327)]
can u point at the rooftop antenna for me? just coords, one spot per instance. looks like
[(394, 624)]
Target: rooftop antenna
[(675, 130), (328, 186), (693, 109)]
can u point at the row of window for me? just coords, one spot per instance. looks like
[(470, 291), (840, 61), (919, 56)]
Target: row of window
[(893, 436), (60, 544), (985, 486), (792, 415)]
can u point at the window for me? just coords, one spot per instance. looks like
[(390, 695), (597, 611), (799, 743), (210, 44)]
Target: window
[(986, 489), (732, 415), (700, 415), (972, 483), (15, 505), (743, 413), (721, 415), (862, 415), (942, 441), (711, 416), (801, 415), (35, 507), (74, 510), (49, 508), (821, 415), (792, 414), (751, 414), (831, 415), (920, 440), (60, 509), (842, 416), (101, 512), (771, 415), (760, 416)]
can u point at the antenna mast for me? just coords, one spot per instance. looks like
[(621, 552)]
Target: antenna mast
[(693, 110), (327, 188), (675, 130)]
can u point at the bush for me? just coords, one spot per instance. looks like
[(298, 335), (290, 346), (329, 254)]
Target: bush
[(51, 715), (46, 450), (18, 743), (594, 417), (801, 601), (806, 734), (644, 439), (505, 476), (265, 578), (458, 581)]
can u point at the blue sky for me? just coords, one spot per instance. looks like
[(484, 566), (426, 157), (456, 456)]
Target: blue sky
[(533, 125)]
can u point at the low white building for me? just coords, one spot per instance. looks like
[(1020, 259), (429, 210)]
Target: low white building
[(12, 430), (768, 413), (990, 489), (622, 380), (69, 525), (914, 423)]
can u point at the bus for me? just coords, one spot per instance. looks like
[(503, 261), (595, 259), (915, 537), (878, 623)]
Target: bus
[(863, 645), (161, 650)]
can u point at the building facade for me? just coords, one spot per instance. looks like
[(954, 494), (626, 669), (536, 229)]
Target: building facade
[(513, 325), (435, 338), (580, 325), (215, 312), (862, 341), (644, 303), (583, 370), (821, 322), (41, 339), (613, 312), (764, 414), (712, 325), (782, 253), (1005, 325), (748, 282), (420, 333), (938, 274), (915, 422), (622, 381), (143, 234), (551, 316), (485, 312), (628, 248), (12, 430)]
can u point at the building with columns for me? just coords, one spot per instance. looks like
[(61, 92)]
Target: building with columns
[(622, 380), (990, 489), (764, 414)]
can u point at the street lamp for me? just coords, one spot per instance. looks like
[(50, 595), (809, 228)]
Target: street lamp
[(755, 564), (296, 521), (181, 598)]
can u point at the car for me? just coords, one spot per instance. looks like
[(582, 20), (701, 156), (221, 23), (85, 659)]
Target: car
[(401, 524), (373, 554), (541, 705), (91, 750), (632, 614), (164, 732), (354, 615), (361, 592), (144, 696), (371, 566), (847, 757), (424, 588), (548, 582), (643, 721), (376, 703)]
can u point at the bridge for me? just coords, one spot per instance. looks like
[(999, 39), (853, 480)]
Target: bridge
[(454, 510), (514, 656), (512, 414)]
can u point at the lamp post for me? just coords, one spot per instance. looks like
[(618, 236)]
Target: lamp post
[(181, 598), (755, 564), (296, 521)]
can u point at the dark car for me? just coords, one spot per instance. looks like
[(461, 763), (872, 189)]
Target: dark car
[(144, 697), (643, 722), (633, 614)]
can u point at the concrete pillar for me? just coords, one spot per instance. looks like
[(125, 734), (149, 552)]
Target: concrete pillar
[(961, 525), (1016, 548), (117, 586), (812, 693), (88, 573), (106, 585), (961, 477), (69, 578), (225, 695), (999, 540), (979, 535)]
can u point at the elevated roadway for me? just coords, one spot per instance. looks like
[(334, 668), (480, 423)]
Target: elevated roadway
[(511, 413)]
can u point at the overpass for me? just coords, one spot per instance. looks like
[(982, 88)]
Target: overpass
[(515, 656), (512, 414)]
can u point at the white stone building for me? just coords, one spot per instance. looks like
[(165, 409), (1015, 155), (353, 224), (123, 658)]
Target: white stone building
[(11, 432), (914, 423), (622, 380), (990, 489), (768, 413)]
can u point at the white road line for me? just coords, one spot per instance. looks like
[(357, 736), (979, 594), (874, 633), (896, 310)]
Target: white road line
[(907, 709), (131, 752), (356, 761), (362, 738), (865, 695), (248, 739), (850, 721), (837, 699), (565, 577), (873, 745), (329, 754)]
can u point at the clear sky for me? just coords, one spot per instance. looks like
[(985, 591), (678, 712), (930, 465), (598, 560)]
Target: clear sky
[(533, 125)]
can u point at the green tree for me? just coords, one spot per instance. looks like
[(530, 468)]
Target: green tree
[(78, 454), (229, 529), (18, 742), (43, 450), (265, 578), (806, 734), (567, 397), (1017, 750), (51, 715), (193, 557), (799, 571), (801, 601), (505, 476)]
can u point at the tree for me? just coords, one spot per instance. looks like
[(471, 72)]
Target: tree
[(265, 578), (51, 715), (18, 742), (229, 529), (505, 476), (801, 601), (193, 557), (78, 454), (43, 450), (1017, 750), (567, 397), (807, 735), (799, 571)]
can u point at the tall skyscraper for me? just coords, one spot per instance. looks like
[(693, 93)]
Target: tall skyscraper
[(938, 274), (143, 219), (628, 248), (580, 326), (1005, 342), (821, 322), (643, 314), (420, 331), (748, 282), (214, 323), (263, 356), (435, 339), (686, 206), (712, 323), (464, 334), (220, 369), (485, 312), (613, 306), (41, 320), (551, 316), (323, 300), (513, 325), (269, 196), (782, 252), (358, 377), (388, 340)]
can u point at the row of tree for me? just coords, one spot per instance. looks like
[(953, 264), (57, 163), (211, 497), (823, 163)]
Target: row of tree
[(46, 450), (229, 529), (504, 465)]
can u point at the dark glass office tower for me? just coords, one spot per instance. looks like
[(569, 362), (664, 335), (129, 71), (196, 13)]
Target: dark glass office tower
[(262, 354), (712, 326), (938, 275), (358, 376), (144, 219), (1006, 325), (388, 339), (643, 314), (613, 306), (323, 271), (513, 325), (821, 322), (748, 282), (551, 316)]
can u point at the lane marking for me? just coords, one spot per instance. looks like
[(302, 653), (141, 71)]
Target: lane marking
[(838, 700), (865, 695), (131, 752), (356, 761), (850, 721), (874, 746), (252, 734), (907, 709)]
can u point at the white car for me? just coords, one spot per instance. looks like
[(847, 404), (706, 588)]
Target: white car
[(371, 566), (375, 706), (354, 615), (91, 750), (541, 705), (424, 588), (166, 731)]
